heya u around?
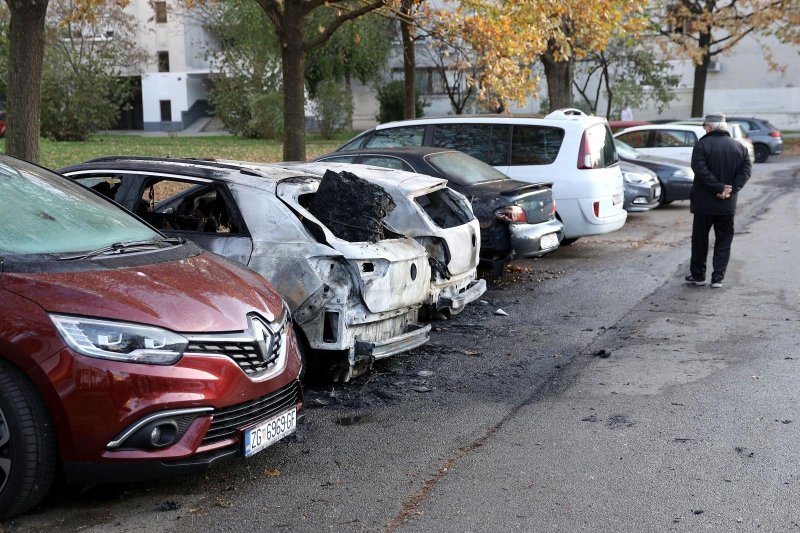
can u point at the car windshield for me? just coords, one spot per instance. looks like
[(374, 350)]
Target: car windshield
[(44, 213), (463, 169), (626, 151)]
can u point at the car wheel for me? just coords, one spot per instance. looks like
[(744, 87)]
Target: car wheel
[(761, 152), (27, 444)]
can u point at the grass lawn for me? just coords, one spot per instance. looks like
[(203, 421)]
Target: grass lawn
[(59, 154)]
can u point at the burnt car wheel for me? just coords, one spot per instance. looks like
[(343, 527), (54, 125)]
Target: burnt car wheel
[(761, 153), (27, 444)]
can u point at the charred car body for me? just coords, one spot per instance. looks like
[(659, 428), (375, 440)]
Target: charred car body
[(359, 300), (438, 218), (516, 218)]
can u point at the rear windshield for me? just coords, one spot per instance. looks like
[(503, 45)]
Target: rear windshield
[(463, 169), (626, 150), (601, 146), (44, 213), (393, 137)]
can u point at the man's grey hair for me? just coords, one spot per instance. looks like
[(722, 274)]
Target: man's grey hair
[(717, 126)]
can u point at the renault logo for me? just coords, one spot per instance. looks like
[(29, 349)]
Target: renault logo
[(262, 336)]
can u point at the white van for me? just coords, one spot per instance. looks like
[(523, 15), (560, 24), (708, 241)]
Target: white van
[(572, 150)]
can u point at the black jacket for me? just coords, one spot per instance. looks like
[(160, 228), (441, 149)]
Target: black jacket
[(717, 160)]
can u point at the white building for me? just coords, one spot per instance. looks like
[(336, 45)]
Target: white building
[(174, 80)]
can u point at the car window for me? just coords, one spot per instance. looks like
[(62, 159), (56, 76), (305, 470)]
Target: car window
[(108, 186), (535, 145), (674, 138), (385, 161), (173, 205), (487, 142), (463, 169), (44, 213), (636, 139), (601, 146), (354, 143), (394, 137), (626, 150)]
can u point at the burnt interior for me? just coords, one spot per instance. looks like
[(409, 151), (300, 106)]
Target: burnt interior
[(442, 208), (351, 207)]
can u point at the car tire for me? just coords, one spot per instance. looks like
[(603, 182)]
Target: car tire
[(761, 153), (567, 242), (27, 444)]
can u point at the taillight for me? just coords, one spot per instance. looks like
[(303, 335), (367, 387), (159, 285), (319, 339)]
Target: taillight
[(510, 214), (585, 153), (596, 209), (774, 134)]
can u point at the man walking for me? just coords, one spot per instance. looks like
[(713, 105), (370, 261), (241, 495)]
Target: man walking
[(721, 168)]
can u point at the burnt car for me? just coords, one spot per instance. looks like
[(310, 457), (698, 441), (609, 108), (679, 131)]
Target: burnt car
[(438, 218), (353, 301), (642, 188), (516, 218), (126, 355), (675, 176)]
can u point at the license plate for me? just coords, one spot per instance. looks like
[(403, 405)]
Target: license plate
[(617, 199), (548, 241), (269, 432)]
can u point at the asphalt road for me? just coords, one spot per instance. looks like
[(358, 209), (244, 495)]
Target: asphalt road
[(613, 397)]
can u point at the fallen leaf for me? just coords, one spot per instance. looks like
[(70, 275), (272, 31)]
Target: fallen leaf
[(272, 473)]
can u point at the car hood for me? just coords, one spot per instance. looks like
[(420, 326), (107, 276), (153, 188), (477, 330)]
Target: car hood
[(202, 293), (652, 161)]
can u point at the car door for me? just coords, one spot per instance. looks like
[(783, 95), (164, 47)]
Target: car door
[(672, 143)]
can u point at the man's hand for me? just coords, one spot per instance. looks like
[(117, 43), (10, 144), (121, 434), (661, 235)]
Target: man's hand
[(726, 192)]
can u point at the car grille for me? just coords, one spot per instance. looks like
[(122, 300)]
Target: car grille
[(253, 359), (228, 421)]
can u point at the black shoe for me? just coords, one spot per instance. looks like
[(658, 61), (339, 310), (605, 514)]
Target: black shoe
[(716, 282), (691, 280)]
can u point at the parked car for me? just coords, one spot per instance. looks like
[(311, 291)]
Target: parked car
[(736, 131), (126, 355), (642, 188), (766, 138), (568, 148), (676, 177), (673, 140), (617, 125), (516, 218), (438, 218), (353, 300)]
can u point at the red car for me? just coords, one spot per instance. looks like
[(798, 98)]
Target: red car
[(125, 355)]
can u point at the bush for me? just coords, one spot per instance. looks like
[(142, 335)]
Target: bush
[(245, 110), (334, 108), (390, 101)]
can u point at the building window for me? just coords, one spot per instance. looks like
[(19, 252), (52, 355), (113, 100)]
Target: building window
[(166, 110), (161, 12), (163, 61)]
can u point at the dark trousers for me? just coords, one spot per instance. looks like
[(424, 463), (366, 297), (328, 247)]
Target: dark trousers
[(723, 233)]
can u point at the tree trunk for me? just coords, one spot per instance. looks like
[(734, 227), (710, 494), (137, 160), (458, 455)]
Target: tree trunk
[(700, 76), (293, 55), (24, 91), (559, 76), (409, 62)]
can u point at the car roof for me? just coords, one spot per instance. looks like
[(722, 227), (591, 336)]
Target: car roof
[(557, 118), (648, 127), (419, 151)]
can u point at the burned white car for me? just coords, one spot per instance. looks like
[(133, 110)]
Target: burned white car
[(354, 300), (438, 217)]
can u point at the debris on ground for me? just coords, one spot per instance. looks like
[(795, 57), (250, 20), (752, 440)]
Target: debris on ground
[(500, 312), (170, 505), (421, 388), (351, 207), (602, 354), (424, 374)]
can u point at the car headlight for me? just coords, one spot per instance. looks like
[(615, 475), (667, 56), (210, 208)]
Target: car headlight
[(120, 341), (632, 177), (684, 174)]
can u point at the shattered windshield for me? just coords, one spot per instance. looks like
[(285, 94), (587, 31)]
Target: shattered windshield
[(43, 213)]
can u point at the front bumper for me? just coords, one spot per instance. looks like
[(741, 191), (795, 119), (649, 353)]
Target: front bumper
[(641, 196), (526, 239), (674, 189)]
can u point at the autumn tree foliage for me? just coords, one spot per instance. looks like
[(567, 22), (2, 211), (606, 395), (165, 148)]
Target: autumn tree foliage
[(507, 36), (705, 29)]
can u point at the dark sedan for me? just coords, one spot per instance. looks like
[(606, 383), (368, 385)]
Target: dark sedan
[(642, 188), (516, 218), (676, 177)]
